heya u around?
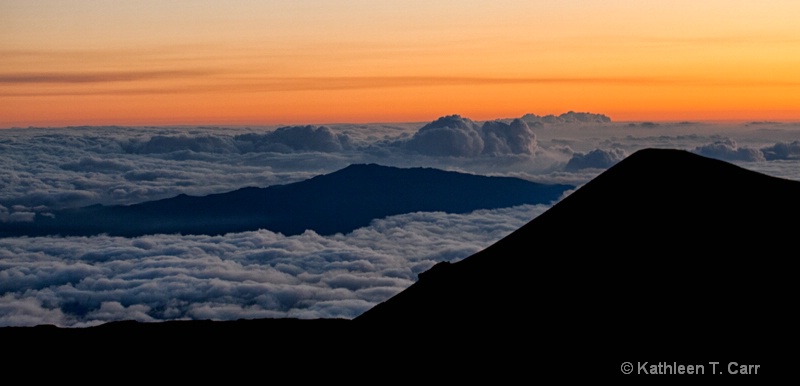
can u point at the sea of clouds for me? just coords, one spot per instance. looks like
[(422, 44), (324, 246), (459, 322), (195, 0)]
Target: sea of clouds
[(81, 281)]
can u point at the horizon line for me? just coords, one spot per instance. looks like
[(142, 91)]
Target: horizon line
[(248, 123)]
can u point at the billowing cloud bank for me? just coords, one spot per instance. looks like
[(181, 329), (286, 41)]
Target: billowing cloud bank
[(782, 151), (595, 159), (287, 139), (728, 150), (456, 136), (79, 281)]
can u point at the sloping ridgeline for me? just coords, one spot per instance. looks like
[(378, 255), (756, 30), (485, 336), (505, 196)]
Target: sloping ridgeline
[(338, 202), (667, 256)]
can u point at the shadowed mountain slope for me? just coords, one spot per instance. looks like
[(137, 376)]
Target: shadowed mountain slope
[(665, 253), (660, 222), (338, 202)]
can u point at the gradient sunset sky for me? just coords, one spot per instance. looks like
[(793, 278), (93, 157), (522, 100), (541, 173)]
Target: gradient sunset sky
[(145, 62)]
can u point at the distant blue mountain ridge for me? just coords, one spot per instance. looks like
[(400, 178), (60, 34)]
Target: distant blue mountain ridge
[(339, 202)]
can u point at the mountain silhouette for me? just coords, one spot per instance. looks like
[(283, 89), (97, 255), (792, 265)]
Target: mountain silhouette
[(661, 222), (338, 202), (666, 256)]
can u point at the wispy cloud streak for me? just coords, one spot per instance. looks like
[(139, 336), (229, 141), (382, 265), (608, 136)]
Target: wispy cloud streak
[(208, 82), (96, 77)]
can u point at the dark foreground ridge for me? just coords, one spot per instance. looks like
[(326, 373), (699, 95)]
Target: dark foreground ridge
[(667, 257), (339, 202)]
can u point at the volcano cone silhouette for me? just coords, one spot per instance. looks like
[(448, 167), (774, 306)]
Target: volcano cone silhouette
[(666, 248)]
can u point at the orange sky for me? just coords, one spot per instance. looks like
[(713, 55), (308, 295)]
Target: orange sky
[(144, 62)]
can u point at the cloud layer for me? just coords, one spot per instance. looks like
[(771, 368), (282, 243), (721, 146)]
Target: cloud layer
[(86, 281), (67, 167)]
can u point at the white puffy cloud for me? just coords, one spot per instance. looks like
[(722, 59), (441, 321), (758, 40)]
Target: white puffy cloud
[(295, 138), (782, 151), (502, 138), (451, 135), (595, 159), (27, 311), (728, 150), (456, 136)]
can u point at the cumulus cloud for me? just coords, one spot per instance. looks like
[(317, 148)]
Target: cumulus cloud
[(782, 151), (568, 117), (728, 150), (451, 135), (595, 159), (456, 136), (81, 281), (295, 138), (502, 138)]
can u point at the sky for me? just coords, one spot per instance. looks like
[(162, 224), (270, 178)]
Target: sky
[(247, 62)]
